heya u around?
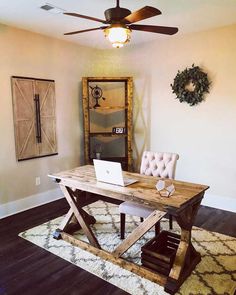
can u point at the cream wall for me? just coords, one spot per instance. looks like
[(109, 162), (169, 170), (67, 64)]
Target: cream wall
[(32, 55), (203, 135)]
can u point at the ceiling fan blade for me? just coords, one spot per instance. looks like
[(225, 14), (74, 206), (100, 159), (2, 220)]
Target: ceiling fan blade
[(154, 29), (141, 14), (85, 16), (87, 30)]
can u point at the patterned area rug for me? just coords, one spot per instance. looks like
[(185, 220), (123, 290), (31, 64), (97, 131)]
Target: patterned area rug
[(215, 274)]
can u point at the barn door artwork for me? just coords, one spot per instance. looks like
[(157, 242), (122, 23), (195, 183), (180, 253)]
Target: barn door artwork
[(45, 91), (34, 117)]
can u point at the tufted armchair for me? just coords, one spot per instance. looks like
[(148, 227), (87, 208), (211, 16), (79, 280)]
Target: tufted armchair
[(153, 164)]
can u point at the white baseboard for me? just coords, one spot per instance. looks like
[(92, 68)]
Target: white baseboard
[(219, 202), (29, 202)]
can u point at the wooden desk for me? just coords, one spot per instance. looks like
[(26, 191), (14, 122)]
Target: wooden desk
[(183, 205)]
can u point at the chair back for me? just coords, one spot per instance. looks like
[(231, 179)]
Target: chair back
[(159, 164)]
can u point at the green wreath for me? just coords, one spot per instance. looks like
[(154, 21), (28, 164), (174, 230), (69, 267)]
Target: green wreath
[(190, 85)]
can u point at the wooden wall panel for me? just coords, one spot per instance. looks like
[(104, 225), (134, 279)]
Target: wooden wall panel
[(46, 91), (27, 129), (24, 114)]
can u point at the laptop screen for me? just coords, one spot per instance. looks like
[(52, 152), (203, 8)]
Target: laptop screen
[(107, 171), (111, 172)]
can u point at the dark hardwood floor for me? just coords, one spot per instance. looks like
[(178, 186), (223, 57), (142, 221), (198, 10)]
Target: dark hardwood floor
[(27, 269)]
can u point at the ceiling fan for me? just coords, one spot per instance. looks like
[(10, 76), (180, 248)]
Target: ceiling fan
[(119, 23)]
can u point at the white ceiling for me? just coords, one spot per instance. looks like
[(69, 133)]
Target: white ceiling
[(188, 15)]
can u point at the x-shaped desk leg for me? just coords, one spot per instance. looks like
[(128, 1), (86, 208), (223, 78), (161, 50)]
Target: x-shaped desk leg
[(80, 215)]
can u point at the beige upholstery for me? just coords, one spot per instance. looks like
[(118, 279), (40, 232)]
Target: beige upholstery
[(159, 164), (153, 164)]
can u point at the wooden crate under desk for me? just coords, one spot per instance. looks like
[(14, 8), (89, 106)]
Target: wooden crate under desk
[(158, 254)]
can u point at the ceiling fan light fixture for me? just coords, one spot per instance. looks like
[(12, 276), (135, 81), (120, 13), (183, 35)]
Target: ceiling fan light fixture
[(118, 35), (120, 22)]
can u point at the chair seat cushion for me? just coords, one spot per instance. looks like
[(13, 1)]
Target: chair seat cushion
[(135, 209)]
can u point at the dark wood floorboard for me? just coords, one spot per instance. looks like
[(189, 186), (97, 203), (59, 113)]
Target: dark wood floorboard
[(26, 269)]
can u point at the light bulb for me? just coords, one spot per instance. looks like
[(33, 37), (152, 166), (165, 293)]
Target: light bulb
[(117, 35)]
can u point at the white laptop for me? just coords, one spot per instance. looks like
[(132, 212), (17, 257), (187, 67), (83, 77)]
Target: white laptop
[(111, 172)]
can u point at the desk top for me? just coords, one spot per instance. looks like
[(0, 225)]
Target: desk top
[(142, 192)]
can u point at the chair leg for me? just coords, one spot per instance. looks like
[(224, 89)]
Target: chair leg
[(122, 226), (157, 229), (141, 219), (171, 221)]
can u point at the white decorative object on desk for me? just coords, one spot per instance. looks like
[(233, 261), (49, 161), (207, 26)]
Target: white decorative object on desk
[(165, 188)]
